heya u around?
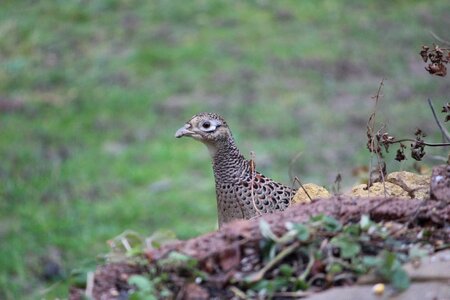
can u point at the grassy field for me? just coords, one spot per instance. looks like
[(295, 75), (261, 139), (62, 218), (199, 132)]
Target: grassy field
[(92, 92)]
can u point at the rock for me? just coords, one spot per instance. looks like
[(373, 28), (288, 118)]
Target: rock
[(314, 191), (377, 189), (440, 183), (398, 184), (417, 186)]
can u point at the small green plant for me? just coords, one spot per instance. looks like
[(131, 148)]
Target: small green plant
[(143, 288), (389, 266), (323, 252)]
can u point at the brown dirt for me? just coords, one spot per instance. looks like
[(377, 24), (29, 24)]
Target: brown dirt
[(110, 281), (440, 184), (220, 253)]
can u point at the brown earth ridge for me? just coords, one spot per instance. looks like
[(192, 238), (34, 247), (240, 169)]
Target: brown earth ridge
[(222, 254)]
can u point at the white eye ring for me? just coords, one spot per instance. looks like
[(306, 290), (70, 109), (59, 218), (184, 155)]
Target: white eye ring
[(209, 126)]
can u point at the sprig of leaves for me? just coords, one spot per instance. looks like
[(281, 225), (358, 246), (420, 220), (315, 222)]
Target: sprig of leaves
[(331, 252), (143, 288)]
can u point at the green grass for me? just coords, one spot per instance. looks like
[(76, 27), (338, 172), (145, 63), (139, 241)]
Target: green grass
[(100, 87)]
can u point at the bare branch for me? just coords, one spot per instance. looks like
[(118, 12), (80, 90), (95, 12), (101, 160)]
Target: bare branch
[(444, 131), (301, 185), (439, 38)]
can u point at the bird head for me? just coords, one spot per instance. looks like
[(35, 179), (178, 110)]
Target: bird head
[(205, 127), (208, 128)]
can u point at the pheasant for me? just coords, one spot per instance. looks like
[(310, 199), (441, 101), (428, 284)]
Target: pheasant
[(242, 192)]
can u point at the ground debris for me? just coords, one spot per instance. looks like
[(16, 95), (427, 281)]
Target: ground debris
[(110, 281)]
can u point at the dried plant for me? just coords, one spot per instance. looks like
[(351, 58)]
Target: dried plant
[(437, 59), (379, 140)]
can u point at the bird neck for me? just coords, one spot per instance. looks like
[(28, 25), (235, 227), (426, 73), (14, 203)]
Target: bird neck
[(228, 163)]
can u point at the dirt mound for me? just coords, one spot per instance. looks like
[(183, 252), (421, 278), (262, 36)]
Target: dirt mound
[(223, 264)]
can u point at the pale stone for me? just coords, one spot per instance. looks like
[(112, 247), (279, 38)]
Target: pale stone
[(378, 189), (314, 191), (398, 184), (417, 186)]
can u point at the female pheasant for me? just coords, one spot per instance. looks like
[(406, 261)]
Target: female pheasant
[(242, 192)]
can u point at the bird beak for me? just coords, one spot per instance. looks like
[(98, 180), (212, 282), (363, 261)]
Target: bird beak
[(183, 131)]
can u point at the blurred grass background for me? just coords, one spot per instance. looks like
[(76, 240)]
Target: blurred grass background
[(91, 93)]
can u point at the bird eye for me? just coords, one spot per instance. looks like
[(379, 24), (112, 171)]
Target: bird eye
[(206, 124)]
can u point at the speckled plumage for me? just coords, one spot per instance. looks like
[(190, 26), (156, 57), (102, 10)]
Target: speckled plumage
[(242, 193)]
